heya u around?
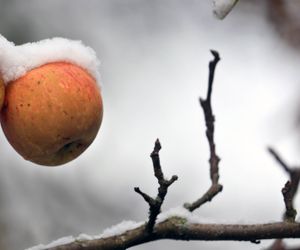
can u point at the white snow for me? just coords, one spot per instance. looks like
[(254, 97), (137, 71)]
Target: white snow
[(120, 228), (15, 60), (182, 213), (59, 242), (82, 237), (221, 8), (191, 218), (114, 230)]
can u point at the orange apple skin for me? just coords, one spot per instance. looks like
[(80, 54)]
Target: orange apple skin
[(52, 113)]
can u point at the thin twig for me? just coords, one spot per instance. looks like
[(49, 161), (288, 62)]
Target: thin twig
[(155, 204), (290, 189), (281, 162), (214, 160)]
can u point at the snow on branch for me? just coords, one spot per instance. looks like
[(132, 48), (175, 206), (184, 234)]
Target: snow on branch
[(178, 228)]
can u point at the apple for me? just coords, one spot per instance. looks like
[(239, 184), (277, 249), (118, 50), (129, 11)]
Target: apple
[(52, 113)]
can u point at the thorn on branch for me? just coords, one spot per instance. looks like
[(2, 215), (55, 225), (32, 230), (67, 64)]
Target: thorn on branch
[(255, 241), (290, 189), (209, 123), (155, 204)]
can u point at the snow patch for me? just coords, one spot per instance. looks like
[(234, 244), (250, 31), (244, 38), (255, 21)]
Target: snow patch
[(120, 228), (191, 218), (221, 8), (59, 242), (82, 237), (194, 218), (109, 232), (178, 212), (15, 61)]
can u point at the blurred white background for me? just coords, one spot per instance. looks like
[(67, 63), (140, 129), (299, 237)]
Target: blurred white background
[(154, 57)]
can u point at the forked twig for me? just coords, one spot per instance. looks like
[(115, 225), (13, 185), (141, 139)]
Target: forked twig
[(156, 203)]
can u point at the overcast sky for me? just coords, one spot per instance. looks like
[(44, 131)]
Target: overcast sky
[(154, 56)]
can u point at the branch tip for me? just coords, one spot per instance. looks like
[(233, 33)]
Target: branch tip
[(157, 145), (215, 54), (174, 178)]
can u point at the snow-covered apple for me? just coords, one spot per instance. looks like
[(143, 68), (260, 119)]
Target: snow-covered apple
[(52, 113)]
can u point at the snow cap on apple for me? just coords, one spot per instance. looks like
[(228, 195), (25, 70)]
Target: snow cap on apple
[(53, 106)]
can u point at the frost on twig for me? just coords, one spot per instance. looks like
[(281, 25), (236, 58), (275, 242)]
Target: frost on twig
[(290, 189), (156, 203), (215, 187)]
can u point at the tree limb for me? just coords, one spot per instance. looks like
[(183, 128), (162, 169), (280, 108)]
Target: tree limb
[(179, 229)]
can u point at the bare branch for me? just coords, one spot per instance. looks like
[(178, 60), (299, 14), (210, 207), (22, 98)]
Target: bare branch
[(179, 229), (155, 204), (214, 158)]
